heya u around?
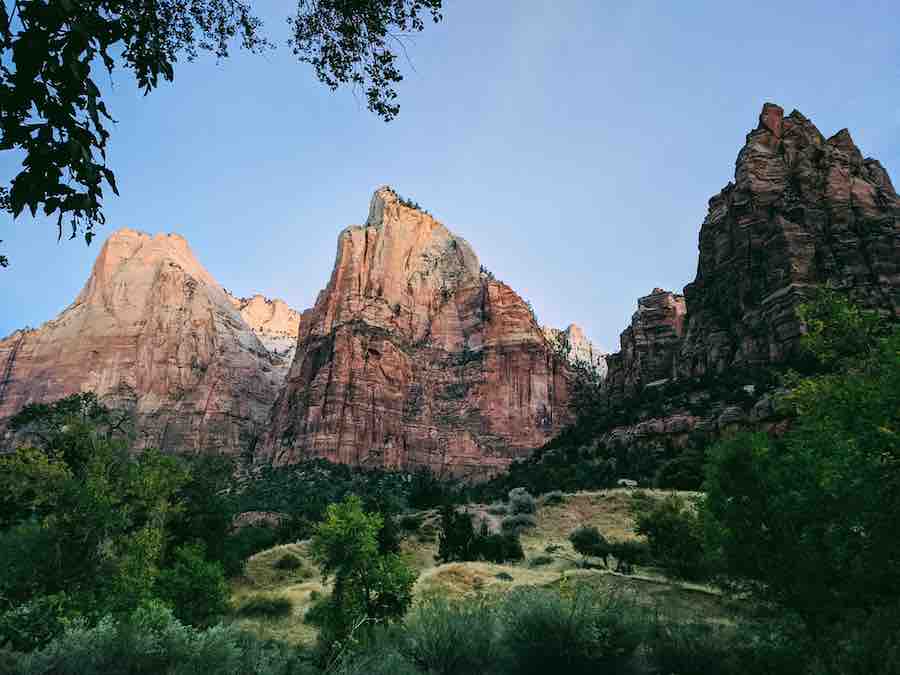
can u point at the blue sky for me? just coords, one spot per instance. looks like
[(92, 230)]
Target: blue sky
[(574, 144)]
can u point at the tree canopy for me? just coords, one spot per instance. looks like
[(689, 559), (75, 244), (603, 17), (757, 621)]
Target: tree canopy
[(54, 112)]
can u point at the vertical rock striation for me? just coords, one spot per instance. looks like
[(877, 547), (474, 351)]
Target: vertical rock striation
[(410, 358)]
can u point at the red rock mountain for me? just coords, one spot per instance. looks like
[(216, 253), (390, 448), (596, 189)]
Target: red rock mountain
[(803, 211), (154, 333), (412, 358)]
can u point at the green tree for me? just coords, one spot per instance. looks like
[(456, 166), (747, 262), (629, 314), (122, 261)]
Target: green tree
[(589, 542), (369, 586), (54, 112), (194, 586), (810, 519), (674, 531)]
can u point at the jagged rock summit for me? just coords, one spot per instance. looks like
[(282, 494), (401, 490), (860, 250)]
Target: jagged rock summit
[(154, 333), (412, 358), (802, 212)]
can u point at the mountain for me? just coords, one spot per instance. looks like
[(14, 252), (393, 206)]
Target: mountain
[(273, 322), (154, 333), (412, 357), (802, 212)]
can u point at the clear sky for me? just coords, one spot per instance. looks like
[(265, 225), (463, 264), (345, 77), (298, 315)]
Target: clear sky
[(574, 143)]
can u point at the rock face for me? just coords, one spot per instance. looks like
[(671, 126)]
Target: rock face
[(650, 345), (802, 211), (577, 348), (410, 358), (273, 322), (154, 333)]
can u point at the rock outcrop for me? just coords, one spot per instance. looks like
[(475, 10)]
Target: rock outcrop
[(412, 358), (650, 345), (802, 211), (577, 348), (151, 332)]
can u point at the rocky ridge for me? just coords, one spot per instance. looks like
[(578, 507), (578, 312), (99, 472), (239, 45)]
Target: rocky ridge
[(412, 358), (803, 211), (577, 348), (151, 332)]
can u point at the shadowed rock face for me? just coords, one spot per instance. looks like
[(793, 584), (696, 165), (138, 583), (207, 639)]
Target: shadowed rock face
[(411, 359), (650, 345), (802, 211), (154, 333)]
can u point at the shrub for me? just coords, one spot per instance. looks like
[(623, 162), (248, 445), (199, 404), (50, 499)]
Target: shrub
[(498, 509), (675, 537), (554, 497), (543, 631), (266, 606), (288, 562), (453, 638), (151, 640), (194, 586), (33, 624), (243, 544), (515, 524), (499, 548), (540, 560), (457, 536), (503, 576), (629, 553), (553, 548), (521, 501), (410, 522), (692, 648), (590, 543)]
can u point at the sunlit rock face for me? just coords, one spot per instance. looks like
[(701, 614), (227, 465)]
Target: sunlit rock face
[(273, 322), (575, 346), (151, 332), (410, 358), (803, 211)]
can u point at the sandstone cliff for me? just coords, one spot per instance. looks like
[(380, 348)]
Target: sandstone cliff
[(803, 211), (410, 358), (154, 333), (273, 322)]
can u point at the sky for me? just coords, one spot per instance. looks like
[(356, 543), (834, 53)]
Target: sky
[(575, 144)]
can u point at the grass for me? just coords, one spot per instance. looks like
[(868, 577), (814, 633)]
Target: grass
[(547, 543)]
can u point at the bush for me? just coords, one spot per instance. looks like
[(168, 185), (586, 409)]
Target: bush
[(521, 501), (628, 554), (499, 548), (544, 631), (194, 586), (540, 560), (692, 648), (151, 640), (33, 624), (288, 562), (244, 543), (553, 497), (675, 537), (515, 524), (410, 522), (498, 509), (266, 606), (590, 543), (453, 638)]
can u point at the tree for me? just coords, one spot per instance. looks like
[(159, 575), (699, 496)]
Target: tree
[(674, 532), (194, 586), (810, 519), (54, 112), (588, 541), (369, 586)]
